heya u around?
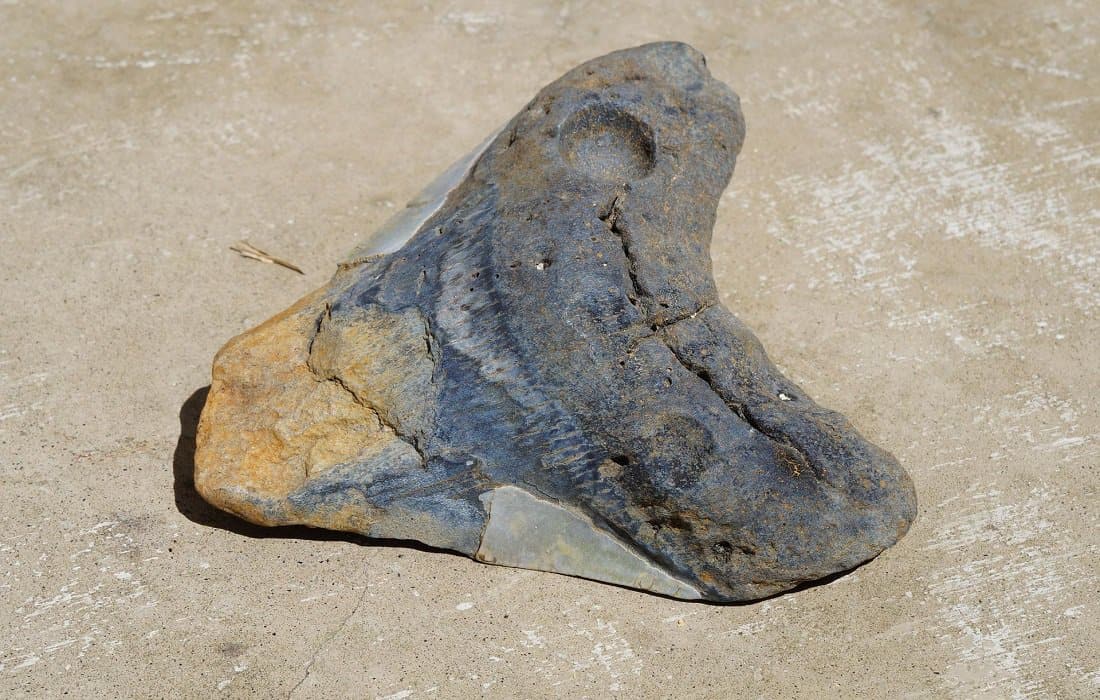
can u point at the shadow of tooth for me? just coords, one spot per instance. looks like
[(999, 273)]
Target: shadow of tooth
[(530, 365)]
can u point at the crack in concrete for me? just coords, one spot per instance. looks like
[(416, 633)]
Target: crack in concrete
[(326, 642)]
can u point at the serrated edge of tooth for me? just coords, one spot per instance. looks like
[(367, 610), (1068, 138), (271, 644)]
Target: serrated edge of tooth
[(402, 226)]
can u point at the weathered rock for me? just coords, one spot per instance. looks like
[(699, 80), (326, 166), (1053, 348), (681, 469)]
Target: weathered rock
[(530, 365)]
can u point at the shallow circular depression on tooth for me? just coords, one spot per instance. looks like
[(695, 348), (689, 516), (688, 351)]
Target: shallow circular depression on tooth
[(608, 143)]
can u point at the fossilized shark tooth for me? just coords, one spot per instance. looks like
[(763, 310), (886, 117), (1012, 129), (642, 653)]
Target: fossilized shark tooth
[(530, 365)]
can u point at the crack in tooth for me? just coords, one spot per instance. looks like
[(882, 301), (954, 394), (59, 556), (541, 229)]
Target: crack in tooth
[(610, 216), (661, 326), (384, 422), (745, 415)]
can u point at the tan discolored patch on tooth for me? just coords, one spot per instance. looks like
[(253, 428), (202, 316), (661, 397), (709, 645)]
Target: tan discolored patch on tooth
[(270, 423)]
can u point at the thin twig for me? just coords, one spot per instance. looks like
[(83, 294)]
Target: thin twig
[(251, 252)]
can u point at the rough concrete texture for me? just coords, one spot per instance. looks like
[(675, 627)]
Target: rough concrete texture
[(911, 231)]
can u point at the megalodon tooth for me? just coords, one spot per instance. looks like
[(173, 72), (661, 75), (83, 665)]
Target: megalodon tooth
[(530, 365)]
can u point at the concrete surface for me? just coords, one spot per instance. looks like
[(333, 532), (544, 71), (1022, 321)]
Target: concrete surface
[(912, 232)]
